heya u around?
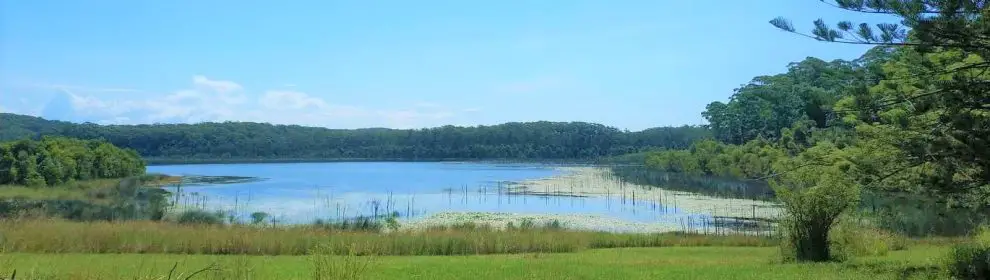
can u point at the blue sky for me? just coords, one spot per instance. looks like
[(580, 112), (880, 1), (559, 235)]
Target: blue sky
[(400, 64)]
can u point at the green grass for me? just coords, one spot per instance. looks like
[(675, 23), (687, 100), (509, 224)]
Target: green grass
[(72, 190), (628, 263), (98, 190), (57, 236)]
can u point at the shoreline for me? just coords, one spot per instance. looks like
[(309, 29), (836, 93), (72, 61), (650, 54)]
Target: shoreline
[(501, 221), (595, 182), (179, 161)]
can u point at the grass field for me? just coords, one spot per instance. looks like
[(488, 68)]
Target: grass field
[(627, 263), (58, 236)]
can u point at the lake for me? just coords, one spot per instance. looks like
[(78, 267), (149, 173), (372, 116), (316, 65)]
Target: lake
[(304, 192)]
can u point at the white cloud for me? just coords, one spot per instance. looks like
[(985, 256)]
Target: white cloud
[(216, 85), (116, 120), (220, 100), (85, 89), (291, 100), (93, 105)]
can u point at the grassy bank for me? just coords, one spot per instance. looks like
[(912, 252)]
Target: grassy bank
[(91, 190), (630, 263), (51, 236)]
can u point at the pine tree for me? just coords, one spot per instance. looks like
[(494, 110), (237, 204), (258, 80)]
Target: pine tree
[(931, 108)]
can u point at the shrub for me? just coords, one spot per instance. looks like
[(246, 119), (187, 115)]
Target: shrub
[(851, 239), (815, 193), (971, 260), (200, 217), (258, 217)]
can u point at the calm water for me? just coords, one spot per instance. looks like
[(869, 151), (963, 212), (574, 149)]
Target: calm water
[(303, 192)]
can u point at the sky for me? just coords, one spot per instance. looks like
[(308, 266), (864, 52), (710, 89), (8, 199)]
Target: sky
[(629, 64)]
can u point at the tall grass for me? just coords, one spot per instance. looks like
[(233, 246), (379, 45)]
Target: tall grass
[(90, 189), (329, 264), (56, 236), (93, 190)]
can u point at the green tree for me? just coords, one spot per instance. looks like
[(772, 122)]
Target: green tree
[(932, 108), (815, 193), (54, 160), (51, 170), (258, 218)]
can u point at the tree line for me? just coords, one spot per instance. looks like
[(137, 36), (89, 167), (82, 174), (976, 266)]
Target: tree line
[(56, 160), (777, 117), (246, 140)]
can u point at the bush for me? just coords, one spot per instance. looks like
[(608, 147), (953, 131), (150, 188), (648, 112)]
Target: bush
[(258, 218), (972, 260), (855, 239), (200, 217), (983, 236), (815, 193)]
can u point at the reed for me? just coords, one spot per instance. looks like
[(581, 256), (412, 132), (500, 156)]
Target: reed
[(58, 236)]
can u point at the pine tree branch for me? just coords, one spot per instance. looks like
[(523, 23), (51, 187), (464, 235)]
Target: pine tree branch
[(894, 44), (892, 12), (784, 172), (985, 65), (895, 101), (895, 172)]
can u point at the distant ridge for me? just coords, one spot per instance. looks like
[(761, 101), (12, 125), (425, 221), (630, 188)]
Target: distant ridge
[(249, 141)]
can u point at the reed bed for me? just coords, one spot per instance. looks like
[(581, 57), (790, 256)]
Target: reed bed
[(57, 236)]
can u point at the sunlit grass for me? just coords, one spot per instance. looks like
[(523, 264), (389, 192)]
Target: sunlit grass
[(90, 190), (629, 263), (56, 236)]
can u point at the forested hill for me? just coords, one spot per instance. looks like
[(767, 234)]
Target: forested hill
[(259, 141)]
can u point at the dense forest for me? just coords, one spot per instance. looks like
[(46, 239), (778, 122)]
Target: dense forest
[(910, 116), (244, 140), (899, 118), (778, 116), (53, 160)]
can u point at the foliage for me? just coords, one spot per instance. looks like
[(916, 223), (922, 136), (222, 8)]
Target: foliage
[(908, 117), (106, 199), (853, 238), (970, 261), (768, 104), (252, 141), (52, 161), (200, 217), (258, 217), (704, 185), (710, 157), (815, 193), (928, 116)]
